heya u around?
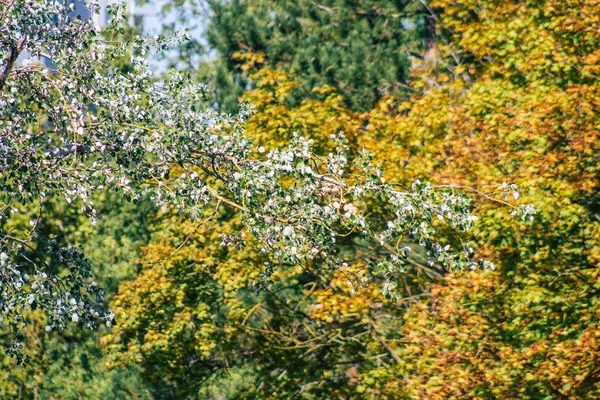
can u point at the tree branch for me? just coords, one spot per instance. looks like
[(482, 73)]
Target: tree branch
[(12, 58)]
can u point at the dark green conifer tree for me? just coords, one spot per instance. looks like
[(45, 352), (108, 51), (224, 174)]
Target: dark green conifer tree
[(361, 47)]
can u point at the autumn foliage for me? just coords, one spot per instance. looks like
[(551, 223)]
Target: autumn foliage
[(504, 95), (507, 94), (510, 94)]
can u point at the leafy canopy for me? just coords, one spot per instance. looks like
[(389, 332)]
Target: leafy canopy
[(512, 95), (79, 126), (360, 47)]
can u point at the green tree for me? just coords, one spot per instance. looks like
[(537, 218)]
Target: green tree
[(70, 364), (359, 47)]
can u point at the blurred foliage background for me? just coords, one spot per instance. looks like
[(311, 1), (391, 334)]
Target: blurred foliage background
[(465, 92)]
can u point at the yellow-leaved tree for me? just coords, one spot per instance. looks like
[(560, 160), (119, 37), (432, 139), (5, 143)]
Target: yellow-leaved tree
[(203, 319), (509, 94)]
